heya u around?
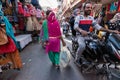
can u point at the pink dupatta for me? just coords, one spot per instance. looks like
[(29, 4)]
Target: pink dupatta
[(54, 33)]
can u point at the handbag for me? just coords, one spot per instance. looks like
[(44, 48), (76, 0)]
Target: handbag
[(65, 56), (3, 37)]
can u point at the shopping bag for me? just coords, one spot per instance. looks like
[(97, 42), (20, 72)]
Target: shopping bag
[(65, 57)]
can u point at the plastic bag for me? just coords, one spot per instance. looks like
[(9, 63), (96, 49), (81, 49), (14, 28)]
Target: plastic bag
[(65, 56)]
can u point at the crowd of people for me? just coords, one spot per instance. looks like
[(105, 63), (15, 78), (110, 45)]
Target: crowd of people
[(79, 24)]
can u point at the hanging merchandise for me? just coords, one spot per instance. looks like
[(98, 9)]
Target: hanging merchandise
[(108, 7), (20, 9), (29, 25), (38, 13), (118, 9), (15, 18), (9, 3), (0, 5), (32, 10), (7, 7), (9, 29), (21, 23), (26, 11), (9, 51), (6, 3), (13, 59), (36, 24), (43, 14), (8, 11), (3, 37), (9, 47), (113, 7)]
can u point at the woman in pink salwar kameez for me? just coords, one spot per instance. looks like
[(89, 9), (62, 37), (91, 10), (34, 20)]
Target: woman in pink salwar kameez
[(53, 45)]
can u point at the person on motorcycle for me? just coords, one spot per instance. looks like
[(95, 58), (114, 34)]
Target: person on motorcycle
[(115, 21), (115, 18), (82, 24)]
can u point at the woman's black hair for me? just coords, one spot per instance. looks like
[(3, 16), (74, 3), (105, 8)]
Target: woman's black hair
[(48, 12)]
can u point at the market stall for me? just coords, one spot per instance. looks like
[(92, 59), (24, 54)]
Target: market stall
[(24, 17)]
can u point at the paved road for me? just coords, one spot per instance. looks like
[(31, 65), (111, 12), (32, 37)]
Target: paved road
[(36, 66)]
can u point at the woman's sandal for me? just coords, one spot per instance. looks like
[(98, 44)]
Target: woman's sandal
[(57, 66)]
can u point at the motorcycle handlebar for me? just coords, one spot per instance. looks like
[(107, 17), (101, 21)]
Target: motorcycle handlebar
[(94, 36)]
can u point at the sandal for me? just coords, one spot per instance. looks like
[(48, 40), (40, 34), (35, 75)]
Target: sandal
[(57, 66)]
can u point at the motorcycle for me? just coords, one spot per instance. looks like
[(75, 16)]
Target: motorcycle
[(92, 55), (113, 48), (106, 50)]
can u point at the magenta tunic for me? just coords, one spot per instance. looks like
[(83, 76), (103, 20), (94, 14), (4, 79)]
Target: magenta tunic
[(54, 34)]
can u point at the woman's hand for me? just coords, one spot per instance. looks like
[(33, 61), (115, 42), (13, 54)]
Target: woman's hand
[(63, 43), (46, 43)]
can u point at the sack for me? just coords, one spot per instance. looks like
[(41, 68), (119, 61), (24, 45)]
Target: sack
[(3, 37), (65, 56)]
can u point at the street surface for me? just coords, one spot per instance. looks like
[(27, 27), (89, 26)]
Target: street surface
[(37, 66)]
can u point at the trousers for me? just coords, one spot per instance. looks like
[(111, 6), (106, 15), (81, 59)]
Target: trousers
[(54, 57), (82, 46)]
